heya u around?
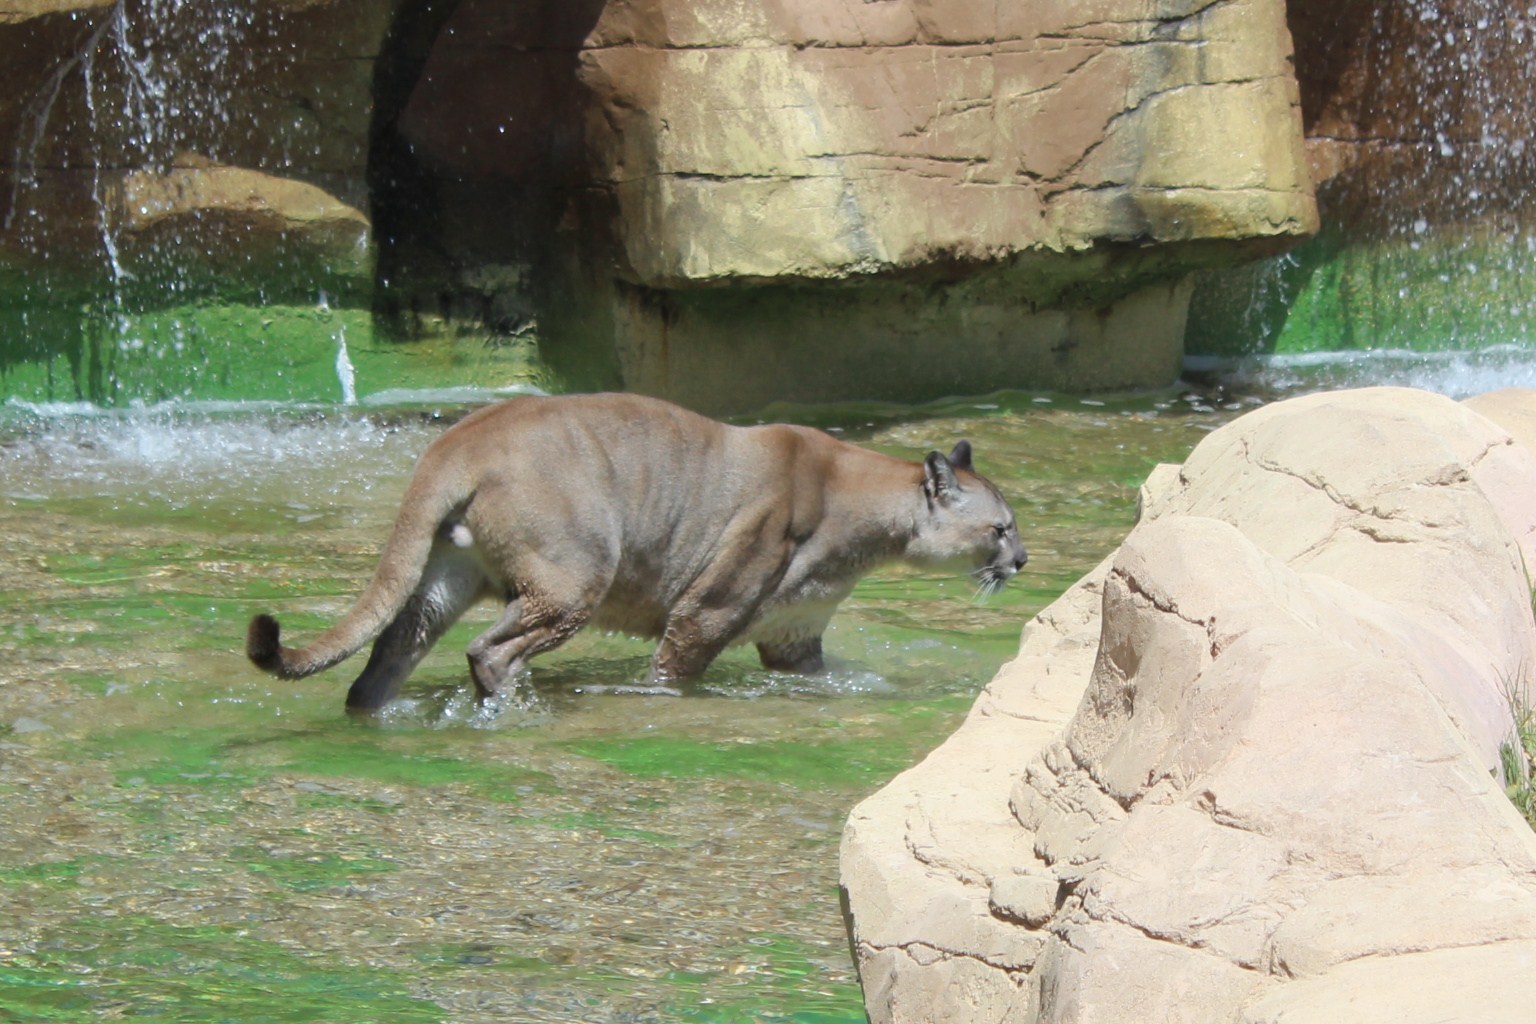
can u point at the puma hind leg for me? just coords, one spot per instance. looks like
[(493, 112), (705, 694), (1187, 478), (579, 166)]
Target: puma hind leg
[(450, 584), (531, 624)]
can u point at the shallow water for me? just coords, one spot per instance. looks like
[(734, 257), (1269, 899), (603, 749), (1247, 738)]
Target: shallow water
[(187, 839)]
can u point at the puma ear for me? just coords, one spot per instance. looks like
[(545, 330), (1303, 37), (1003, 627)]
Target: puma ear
[(938, 476), (960, 458)]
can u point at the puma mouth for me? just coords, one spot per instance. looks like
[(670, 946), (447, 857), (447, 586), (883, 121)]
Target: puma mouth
[(990, 579)]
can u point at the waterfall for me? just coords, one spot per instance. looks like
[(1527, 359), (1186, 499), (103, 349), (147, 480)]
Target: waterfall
[(1418, 118), (344, 371)]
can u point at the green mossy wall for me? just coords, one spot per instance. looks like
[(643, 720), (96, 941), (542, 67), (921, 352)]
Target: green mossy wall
[(1453, 290), (238, 352)]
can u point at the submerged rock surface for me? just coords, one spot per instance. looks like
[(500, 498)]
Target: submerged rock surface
[(1247, 769)]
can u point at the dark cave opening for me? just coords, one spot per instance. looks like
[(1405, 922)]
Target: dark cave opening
[(476, 142)]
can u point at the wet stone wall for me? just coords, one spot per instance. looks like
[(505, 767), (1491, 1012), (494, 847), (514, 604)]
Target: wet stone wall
[(647, 192)]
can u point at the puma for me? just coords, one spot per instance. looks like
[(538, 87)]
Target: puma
[(642, 517)]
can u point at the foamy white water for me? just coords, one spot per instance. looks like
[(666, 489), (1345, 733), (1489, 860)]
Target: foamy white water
[(1456, 374), (210, 452)]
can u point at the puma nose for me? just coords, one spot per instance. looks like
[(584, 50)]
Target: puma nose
[(1018, 562)]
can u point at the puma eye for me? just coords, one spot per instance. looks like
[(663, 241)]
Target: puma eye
[(1001, 531)]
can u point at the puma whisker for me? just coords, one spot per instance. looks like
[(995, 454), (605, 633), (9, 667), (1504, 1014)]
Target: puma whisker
[(988, 581), (638, 516)]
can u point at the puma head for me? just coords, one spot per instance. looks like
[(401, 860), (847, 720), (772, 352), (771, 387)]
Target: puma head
[(966, 522)]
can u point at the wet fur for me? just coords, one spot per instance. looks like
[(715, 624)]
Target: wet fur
[(636, 515)]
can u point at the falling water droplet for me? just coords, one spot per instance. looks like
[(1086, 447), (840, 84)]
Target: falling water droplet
[(345, 373)]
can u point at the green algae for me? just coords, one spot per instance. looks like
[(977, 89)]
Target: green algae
[(809, 765), (791, 985), (602, 824), (229, 351), (172, 757), (180, 757), (54, 874), (1429, 290), (137, 967), (313, 871)]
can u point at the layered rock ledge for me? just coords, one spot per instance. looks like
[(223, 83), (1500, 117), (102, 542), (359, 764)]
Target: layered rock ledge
[(1248, 768), (821, 193)]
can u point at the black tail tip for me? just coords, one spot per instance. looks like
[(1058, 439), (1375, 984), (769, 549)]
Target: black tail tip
[(262, 645)]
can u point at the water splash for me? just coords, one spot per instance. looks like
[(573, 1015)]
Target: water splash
[(116, 273), (129, 93), (180, 455), (1455, 373), (345, 374), (141, 71), (40, 111)]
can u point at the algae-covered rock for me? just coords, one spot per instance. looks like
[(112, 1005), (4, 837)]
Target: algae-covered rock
[(1416, 121)]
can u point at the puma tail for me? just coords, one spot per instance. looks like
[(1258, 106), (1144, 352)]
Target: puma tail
[(426, 504)]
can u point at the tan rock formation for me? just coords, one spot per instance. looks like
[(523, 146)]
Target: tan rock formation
[(1247, 769), (238, 216), (807, 142), (16, 11), (987, 176)]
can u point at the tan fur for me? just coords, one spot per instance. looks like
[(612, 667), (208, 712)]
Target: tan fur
[(639, 516)]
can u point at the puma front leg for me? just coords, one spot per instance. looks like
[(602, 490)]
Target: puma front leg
[(714, 614), (690, 644)]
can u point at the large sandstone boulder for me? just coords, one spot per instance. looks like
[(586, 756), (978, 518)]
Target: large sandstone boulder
[(1248, 769), (823, 192)]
